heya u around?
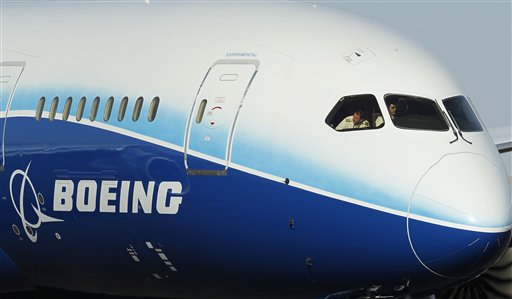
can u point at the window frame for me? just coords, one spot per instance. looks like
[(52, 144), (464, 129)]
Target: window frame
[(123, 105), (436, 105), (454, 120), (40, 108), (67, 108), (137, 109), (108, 109), (80, 108), (153, 108), (365, 99), (94, 109), (53, 108)]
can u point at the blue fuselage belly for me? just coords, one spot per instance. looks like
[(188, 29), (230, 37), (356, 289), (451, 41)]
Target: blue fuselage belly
[(230, 232)]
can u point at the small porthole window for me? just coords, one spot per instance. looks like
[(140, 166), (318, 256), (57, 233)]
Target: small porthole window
[(53, 108), (94, 108), (108, 109), (355, 112), (137, 109), (40, 108), (67, 108), (80, 110), (153, 108), (122, 109), (200, 111)]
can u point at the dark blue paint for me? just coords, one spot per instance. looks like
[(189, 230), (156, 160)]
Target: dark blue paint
[(230, 238), (11, 277)]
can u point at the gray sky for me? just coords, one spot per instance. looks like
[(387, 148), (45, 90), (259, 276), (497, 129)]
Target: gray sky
[(473, 39)]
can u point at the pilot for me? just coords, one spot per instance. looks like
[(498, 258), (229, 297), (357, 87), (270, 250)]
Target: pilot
[(392, 112), (355, 121)]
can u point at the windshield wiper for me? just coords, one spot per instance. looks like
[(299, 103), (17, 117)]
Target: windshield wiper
[(458, 129), (453, 129)]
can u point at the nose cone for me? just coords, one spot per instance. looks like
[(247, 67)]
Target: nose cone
[(460, 215)]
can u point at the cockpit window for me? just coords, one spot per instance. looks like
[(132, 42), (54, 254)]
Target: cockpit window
[(461, 113), (410, 112), (354, 113)]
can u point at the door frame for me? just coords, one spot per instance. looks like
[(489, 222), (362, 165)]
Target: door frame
[(229, 144), (21, 64)]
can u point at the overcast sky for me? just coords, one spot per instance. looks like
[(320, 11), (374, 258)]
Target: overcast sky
[(473, 39)]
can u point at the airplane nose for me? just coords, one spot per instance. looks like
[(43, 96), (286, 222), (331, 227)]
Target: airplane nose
[(460, 215)]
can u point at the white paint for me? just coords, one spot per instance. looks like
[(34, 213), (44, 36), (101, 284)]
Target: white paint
[(164, 189), (163, 256), (64, 192), (86, 196), (303, 74), (123, 197), (466, 195), (109, 196), (157, 276), (142, 197), (106, 196), (295, 87)]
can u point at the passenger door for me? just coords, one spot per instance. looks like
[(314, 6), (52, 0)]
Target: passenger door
[(10, 73), (212, 120)]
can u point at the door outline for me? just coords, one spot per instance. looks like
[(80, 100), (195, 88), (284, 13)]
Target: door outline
[(21, 64), (229, 143)]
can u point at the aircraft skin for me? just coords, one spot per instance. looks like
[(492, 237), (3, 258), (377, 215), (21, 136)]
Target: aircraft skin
[(261, 198)]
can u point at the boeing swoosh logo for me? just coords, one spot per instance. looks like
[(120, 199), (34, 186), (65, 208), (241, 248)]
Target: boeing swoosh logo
[(20, 207)]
